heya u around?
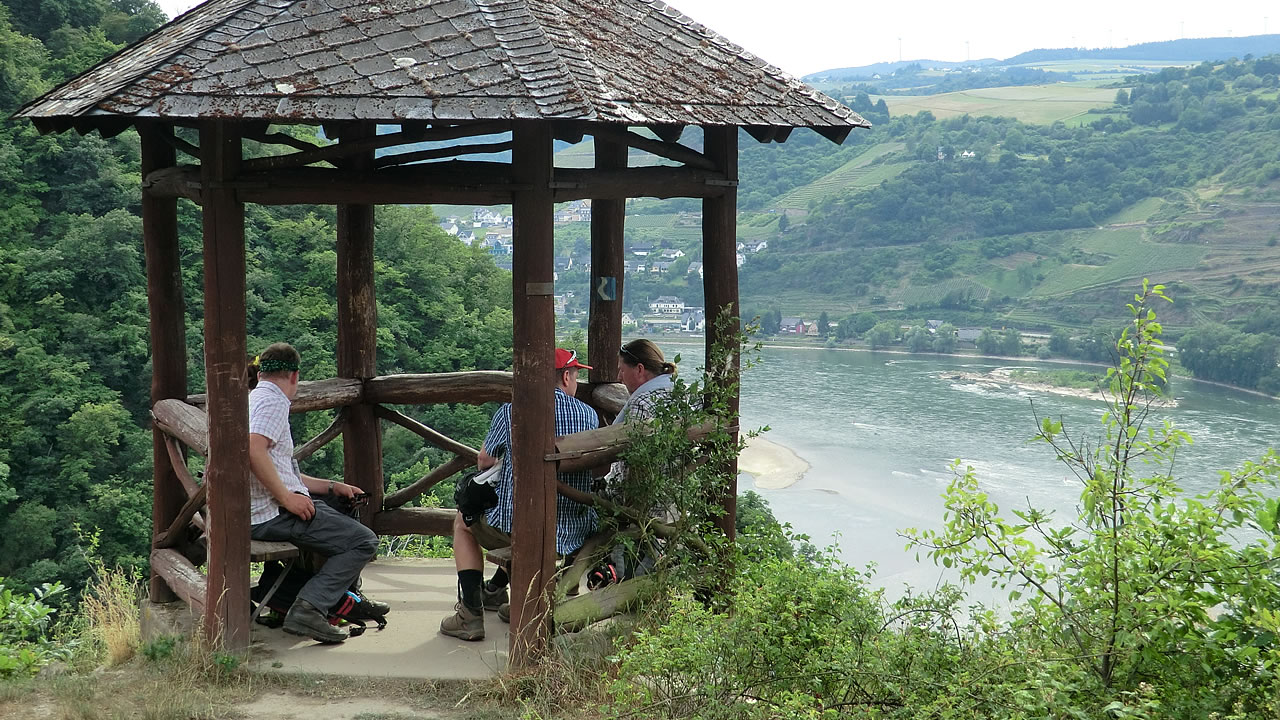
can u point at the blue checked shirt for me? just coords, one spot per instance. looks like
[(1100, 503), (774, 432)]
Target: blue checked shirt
[(574, 522)]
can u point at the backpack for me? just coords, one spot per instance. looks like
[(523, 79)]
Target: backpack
[(474, 494), (351, 609)]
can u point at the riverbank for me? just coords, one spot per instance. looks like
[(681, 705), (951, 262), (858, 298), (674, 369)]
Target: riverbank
[(770, 465), (685, 342)]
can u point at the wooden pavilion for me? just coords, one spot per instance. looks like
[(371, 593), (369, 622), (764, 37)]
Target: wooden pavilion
[(411, 90)]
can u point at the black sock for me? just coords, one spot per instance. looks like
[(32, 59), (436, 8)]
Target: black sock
[(469, 582), (499, 580)]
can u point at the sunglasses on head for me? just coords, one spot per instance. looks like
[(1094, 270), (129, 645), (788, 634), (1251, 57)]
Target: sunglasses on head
[(624, 352)]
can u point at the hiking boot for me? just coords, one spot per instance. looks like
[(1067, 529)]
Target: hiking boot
[(504, 613), (465, 624), (494, 599), (377, 607), (304, 619)]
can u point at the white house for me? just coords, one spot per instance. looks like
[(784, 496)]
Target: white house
[(667, 305), (672, 253)]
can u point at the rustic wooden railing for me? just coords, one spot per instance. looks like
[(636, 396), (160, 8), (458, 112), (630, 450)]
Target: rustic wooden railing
[(185, 424)]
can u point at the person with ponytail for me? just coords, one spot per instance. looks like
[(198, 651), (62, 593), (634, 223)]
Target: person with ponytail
[(648, 376)]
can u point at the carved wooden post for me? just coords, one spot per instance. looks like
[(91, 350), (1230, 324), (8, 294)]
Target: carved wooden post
[(168, 329), (358, 340), (227, 476), (533, 402), (720, 284), (604, 328)]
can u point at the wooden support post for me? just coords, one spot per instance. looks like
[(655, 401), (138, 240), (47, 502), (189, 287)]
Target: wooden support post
[(358, 339), (226, 619), (168, 330), (533, 402), (604, 329), (720, 285)]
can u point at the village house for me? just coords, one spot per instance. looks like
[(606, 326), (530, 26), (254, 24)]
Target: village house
[(693, 319), (695, 267), (667, 305), (658, 267), (968, 334), (672, 253), (641, 250), (792, 325)]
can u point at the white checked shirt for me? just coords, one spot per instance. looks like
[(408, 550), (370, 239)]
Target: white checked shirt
[(269, 417)]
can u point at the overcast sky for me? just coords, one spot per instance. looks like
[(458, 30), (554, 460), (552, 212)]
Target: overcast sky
[(804, 36)]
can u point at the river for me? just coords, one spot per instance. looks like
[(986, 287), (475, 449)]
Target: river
[(880, 432)]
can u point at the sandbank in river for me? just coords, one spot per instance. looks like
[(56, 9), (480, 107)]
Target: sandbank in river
[(771, 465)]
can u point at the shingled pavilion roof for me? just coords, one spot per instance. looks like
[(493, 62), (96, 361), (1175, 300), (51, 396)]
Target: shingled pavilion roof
[(629, 62)]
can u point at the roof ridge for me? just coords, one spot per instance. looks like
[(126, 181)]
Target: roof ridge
[(533, 56)]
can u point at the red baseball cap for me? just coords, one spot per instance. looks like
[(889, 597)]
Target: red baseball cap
[(568, 359)]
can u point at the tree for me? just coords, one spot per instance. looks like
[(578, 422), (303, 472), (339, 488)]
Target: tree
[(882, 335), (988, 342), (918, 340), (864, 321), (1147, 581), (1060, 342), (1011, 342), (824, 324), (945, 339)]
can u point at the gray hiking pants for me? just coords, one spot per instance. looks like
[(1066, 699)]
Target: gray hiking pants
[(346, 545)]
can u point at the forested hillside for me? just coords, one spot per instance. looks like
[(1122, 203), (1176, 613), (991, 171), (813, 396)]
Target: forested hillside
[(1032, 222), (75, 448)]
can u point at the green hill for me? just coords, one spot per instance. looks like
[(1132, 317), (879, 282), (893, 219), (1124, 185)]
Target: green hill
[(1047, 204)]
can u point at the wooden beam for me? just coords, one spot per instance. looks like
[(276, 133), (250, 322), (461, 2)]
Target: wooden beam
[(593, 448), (185, 422), (366, 143), (444, 152), (325, 437), (177, 529), (439, 440), (659, 182), (670, 150), (179, 464), (608, 219), (453, 182), (474, 388), (415, 521), (183, 578), (167, 324), (314, 395), (720, 288), (533, 401), (358, 336), (227, 602), (453, 466)]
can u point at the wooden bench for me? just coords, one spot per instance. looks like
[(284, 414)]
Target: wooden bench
[(263, 551)]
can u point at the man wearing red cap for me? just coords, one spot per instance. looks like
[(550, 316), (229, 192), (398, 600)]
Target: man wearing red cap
[(574, 522)]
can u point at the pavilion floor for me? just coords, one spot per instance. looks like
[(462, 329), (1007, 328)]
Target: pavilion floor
[(421, 593)]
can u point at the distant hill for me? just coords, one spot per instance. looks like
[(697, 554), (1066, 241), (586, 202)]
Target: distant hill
[(1191, 50), (867, 72)]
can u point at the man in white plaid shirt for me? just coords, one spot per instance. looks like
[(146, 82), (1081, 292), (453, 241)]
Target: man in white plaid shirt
[(281, 507), (574, 521)]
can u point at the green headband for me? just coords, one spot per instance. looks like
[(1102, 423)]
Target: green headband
[(272, 365)]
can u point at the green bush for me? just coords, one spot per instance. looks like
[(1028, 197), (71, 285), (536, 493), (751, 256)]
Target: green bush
[(25, 624)]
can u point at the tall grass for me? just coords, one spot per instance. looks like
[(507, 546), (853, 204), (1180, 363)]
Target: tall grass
[(109, 610)]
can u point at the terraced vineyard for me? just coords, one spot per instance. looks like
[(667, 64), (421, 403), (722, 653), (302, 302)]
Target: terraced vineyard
[(856, 174)]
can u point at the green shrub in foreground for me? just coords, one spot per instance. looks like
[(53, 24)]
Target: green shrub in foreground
[(25, 622)]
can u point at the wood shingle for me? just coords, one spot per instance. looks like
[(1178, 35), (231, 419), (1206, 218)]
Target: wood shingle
[(630, 62)]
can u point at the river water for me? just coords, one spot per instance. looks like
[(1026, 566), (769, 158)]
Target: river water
[(880, 432)]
